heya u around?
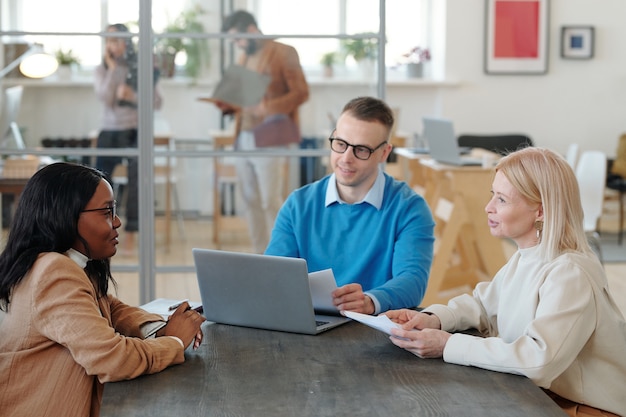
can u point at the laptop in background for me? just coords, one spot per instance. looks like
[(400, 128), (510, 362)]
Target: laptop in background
[(260, 291), (443, 145)]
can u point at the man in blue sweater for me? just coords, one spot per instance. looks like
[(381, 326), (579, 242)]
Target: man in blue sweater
[(373, 231)]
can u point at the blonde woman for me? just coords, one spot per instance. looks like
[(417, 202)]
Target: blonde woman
[(548, 313)]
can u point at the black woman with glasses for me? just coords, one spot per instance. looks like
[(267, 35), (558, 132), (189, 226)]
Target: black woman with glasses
[(373, 231), (63, 334)]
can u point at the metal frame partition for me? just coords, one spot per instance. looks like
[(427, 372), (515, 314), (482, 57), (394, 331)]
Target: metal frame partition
[(146, 153)]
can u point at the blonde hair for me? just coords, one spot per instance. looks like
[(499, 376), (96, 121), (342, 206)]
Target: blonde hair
[(543, 177)]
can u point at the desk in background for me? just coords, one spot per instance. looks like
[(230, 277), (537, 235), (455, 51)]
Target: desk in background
[(465, 251), (350, 370), (15, 173)]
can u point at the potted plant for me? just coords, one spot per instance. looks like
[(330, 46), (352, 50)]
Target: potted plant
[(415, 60), (327, 61), (361, 49), (195, 49), (68, 62)]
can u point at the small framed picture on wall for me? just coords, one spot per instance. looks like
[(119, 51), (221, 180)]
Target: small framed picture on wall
[(577, 42)]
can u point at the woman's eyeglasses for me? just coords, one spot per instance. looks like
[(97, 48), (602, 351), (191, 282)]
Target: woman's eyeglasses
[(112, 210), (361, 152)]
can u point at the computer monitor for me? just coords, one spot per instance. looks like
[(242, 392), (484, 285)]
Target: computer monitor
[(10, 135)]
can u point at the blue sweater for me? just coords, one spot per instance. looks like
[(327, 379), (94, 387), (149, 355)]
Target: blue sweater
[(388, 251)]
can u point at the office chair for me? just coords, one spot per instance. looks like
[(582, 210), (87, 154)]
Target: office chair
[(591, 176), (572, 155), (500, 144), (616, 180)]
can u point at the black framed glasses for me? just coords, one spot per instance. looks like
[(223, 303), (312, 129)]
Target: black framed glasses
[(112, 210), (361, 152)]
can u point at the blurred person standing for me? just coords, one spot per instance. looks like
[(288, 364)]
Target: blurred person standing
[(260, 178), (116, 88)]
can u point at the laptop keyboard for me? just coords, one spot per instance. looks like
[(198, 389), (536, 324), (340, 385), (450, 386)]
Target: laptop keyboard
[(319, 323)]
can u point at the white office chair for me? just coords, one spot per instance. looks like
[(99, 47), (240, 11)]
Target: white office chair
[(591, 175), (572, 155)]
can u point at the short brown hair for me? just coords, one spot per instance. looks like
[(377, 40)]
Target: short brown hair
[(370, 109)]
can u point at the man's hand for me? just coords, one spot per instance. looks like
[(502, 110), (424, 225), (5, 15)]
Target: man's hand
[(350, 297), (225, 107)]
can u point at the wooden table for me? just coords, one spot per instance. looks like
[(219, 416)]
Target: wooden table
[(350, 370), (13, 186)]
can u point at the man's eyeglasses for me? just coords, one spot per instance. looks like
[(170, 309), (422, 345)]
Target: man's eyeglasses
[(361, 152), (112, 210)]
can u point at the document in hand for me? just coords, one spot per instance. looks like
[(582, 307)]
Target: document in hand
[(322, 284), (240, 87), (382, 322)]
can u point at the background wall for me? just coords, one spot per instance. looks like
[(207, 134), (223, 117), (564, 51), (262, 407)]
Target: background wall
[(576, 101), (581, 101)]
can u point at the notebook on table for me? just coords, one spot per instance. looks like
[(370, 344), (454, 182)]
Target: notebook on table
[(443, 145), (260, 291)]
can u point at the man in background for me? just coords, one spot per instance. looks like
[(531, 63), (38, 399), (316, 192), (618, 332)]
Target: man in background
[(260, 177)]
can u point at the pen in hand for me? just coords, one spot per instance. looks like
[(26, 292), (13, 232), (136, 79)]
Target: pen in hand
[(173, 307)]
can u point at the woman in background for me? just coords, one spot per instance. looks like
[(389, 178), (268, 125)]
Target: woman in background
[(116, 88), (548, 313), (63, 335)]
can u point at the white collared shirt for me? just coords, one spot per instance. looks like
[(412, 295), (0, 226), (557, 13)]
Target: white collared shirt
[(373, 197)]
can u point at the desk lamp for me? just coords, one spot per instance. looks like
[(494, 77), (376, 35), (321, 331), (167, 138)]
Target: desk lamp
[(34, 63)]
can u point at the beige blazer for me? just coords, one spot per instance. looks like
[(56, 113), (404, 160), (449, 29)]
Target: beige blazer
[(59, 343)]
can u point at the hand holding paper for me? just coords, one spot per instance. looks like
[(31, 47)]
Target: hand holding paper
[(322, 285), (382, 322)]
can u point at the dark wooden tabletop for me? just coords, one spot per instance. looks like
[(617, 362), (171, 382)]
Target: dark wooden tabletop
[(12, 185), (350, 370)]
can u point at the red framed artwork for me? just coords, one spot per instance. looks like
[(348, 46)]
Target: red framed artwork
[(516, 36)]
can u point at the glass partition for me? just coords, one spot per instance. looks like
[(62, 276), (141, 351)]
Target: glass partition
[(188, 192)]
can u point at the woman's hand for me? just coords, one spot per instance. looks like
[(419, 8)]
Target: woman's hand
[(411, 319), (427, 343), (126, 93), (184, 323), (419, 334)]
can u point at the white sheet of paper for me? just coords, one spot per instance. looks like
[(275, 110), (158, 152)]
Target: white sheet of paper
[(322, 285), (382, 322), (161, 306)]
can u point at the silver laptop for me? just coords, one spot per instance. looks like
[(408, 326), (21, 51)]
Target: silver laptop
[(260, 291), (443, 144)]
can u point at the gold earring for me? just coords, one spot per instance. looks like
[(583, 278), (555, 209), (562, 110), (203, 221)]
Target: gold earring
[(539, 228)]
